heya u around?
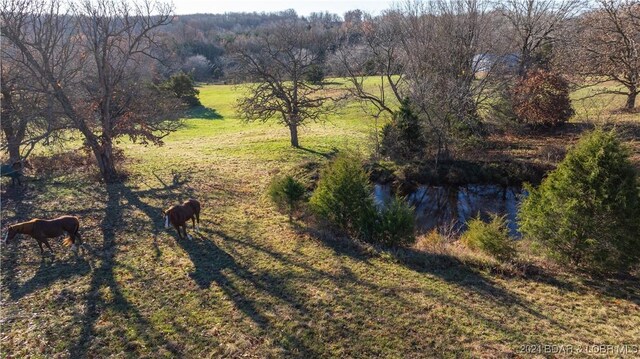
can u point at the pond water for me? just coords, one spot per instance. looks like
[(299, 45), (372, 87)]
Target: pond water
[(452, 206)]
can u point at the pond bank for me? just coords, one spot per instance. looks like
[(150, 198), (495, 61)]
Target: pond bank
[(407, 177), (450, 207)]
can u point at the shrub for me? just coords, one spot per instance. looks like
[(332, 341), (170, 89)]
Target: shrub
[(344, 198), (542, 99), (395, 223), (501, 111), (588, 209), (402, 139), (183, 87), (286, 192), (491, 238), (431, 241), (343, 195), (315, 74)]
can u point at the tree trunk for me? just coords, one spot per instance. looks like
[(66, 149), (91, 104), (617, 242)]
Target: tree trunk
[(523, 66), (294, 135), (10, 133), (631, 99), (14, 138), (13, 148), (104, 158)]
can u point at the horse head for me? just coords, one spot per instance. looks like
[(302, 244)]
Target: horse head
[(9, 234), (165, 218)]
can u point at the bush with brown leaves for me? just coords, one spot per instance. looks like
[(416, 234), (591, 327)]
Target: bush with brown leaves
[(542, 99)]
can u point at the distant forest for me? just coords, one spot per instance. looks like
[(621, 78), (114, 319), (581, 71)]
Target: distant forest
[(197, 41)]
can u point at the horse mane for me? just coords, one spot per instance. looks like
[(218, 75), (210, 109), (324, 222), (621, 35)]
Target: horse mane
[(20, 227)]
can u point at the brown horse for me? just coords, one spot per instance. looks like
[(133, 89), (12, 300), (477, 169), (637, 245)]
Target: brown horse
[(41, 229), (180, 214)]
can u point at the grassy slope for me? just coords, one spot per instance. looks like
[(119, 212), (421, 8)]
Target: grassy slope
[(250, 283)]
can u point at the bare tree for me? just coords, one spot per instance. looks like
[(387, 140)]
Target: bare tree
[(278, 58), (441, 41), (370, 47), (608, 48), (373, 48), (426, 52), (199, 67), (28, 113), (535, 25), (92, 60)]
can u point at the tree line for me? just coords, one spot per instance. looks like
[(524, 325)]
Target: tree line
[(92, 66)]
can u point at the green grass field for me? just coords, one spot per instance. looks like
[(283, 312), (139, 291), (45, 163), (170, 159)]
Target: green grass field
[(251, 284)]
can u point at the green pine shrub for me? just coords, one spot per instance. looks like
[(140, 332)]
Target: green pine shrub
[(491, 238), (315, 74), (343, 196), (402, 138), (587, 211), (287, 193), (184, 88), (395, 223)]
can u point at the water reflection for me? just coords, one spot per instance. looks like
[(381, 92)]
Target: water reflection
[(453, 206)]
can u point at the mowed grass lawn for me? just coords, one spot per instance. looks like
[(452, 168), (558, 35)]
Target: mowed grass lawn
[(251, 284)]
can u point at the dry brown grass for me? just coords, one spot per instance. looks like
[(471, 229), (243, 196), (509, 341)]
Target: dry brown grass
[(250, 284)]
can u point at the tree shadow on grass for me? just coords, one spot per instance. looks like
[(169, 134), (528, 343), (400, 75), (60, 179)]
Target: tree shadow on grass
[(204, 113), (211, 264), (442, 266), (452, 270), (104, 279), (339, 244), (51, 269), (49, 272), (330, 154), (627, 288)]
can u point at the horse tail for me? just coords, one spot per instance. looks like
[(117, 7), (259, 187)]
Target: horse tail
[(195, 205), (73, 235), (76, 233)]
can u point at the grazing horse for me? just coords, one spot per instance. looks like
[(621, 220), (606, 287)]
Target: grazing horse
[(41, 229), (180, 214), (14, 171)]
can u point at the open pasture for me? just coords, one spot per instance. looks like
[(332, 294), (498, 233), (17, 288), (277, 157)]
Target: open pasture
[(250, 284)]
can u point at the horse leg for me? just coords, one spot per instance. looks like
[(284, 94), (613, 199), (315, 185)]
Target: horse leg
[(46, 242), (184, 227), (79, 240), (193, 222), (198, 218), (75, 240), (41, 249), (178, 230)]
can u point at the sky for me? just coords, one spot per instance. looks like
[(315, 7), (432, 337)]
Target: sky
[(302, 7)]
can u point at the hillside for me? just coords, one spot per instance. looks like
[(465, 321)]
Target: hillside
[(250, 283)]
